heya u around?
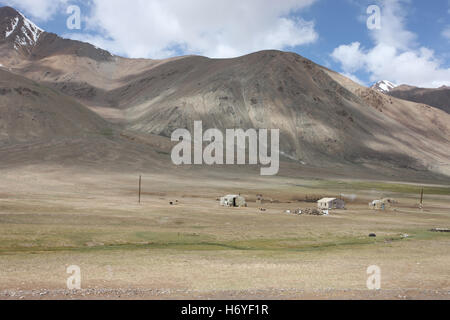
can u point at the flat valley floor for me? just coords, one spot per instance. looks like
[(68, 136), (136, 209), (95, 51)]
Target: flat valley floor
[(55, 217)]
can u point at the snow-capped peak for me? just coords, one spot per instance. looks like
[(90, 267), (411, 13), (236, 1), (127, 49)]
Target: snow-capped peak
[(34, 29), (384, 86), (20, 30), (30, 32)]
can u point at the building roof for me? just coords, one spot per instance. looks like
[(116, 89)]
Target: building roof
[(327, 200)]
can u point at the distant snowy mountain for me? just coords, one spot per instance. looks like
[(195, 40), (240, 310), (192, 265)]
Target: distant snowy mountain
[(19, 35), (435, 97), (384, 86), (18, 30)]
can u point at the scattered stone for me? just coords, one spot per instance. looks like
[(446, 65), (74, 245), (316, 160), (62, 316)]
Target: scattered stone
[(313, 212)]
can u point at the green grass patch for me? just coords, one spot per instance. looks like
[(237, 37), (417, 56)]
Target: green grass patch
[(194, 242)]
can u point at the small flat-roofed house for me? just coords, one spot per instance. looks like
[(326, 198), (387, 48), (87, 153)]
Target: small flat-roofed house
[(377, 205), (381, 204), (231, 200), (330, 203)]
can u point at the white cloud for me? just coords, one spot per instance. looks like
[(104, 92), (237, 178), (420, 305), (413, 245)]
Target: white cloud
[(350, 56), (219, 28), (393, 32), (395, 55), (446, 32), (38, 10), (353, 78)]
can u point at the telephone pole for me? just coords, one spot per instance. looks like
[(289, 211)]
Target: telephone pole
[(140, 188)]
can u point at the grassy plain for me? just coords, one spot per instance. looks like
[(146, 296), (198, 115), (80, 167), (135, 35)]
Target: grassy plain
[(51, 219)]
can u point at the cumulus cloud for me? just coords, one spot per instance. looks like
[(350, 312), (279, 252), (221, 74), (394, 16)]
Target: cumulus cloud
[(219, 28), (350, 56), (38, 10), (395, 55)]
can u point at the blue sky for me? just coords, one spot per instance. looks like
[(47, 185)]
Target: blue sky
[(411, 47)]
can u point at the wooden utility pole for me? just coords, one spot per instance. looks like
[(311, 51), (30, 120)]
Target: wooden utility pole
[(140, 188)]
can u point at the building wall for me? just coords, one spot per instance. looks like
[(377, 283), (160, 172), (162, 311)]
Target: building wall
[(335, 204), (338, 204), (228, 201), (325, 205), (240, 202)]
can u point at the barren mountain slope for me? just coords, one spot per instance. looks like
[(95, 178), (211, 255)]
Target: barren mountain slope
[(439, 98), (419, 130), (31, 112), (40, 126), (325, 119), (76, 67), (322, 120)]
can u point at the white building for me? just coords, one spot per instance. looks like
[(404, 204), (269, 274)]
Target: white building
[(233, 201), (330, 203)]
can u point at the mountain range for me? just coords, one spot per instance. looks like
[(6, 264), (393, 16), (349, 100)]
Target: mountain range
[(54, 89), (439, 97)]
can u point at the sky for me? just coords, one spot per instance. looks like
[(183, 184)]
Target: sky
[(403, 41)]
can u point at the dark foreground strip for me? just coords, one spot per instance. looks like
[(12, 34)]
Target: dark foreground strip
[(224, 309)]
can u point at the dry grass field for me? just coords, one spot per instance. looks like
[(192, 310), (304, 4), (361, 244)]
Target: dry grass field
[(78, 126), (51, 218)]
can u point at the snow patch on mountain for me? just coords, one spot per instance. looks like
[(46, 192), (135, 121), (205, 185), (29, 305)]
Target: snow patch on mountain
[(22, 32), (14, 24), (35, 31), (384, 86)]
